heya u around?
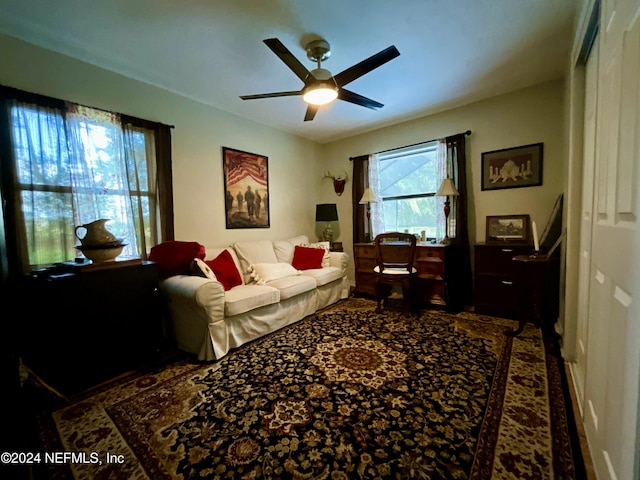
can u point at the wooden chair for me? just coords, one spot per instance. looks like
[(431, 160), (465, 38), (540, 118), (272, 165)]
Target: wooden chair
[(395, 252)]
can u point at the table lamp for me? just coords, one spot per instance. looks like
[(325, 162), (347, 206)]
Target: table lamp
[(447, 189), (327, 212), (368, 197)]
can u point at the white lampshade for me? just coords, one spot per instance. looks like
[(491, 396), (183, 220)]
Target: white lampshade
[(447, 189), (368, 197)]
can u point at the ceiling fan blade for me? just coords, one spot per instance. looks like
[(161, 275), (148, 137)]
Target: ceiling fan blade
[(311, 112), (365, 66), (287, 57), (349, 96), (271, 95)]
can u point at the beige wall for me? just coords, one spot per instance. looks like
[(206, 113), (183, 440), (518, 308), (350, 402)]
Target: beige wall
[(524, 117), (296, 166), (199, 134)]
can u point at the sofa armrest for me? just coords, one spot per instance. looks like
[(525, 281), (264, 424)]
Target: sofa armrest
[(196, 307), (339, 259)]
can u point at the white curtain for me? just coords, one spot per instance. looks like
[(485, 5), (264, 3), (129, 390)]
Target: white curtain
[(41, 158), (377, 210), (71, 171), (99, 172), (442, 174), (140, 154)]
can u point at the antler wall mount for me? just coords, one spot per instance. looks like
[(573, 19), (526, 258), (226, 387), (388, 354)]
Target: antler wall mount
[(338, 182), (320, 86)]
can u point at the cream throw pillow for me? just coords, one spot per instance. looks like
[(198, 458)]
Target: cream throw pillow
[(262, 273)]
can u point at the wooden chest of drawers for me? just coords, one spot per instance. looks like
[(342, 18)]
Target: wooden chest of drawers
[(90, 326), (364, 257), (430, 261), (498, 287)]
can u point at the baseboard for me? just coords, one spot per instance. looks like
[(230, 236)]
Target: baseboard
[(578, 416)]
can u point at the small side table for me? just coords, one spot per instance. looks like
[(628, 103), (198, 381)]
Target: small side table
[(336, 247)]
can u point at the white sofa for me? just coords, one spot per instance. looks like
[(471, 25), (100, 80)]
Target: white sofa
[(209, 321)]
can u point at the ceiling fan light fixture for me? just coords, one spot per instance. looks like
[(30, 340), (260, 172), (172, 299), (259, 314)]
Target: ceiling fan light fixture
[(320, 94), (320, 86)]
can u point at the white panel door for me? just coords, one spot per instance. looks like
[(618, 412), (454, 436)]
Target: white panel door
[(584, 274), (613, 351)]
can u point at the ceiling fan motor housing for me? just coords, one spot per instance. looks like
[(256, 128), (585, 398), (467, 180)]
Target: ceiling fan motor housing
[(318, 50), (321, 74)]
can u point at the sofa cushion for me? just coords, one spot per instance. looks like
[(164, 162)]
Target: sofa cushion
[(284, 251), (292, 286), (257, 251), (325, 275), (305, 258), (265, 272), (174, 257), (284, 248), (299, 240), (225, 270), (244, 298)]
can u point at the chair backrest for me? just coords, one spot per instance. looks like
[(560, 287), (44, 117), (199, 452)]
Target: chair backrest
[(395, 250)]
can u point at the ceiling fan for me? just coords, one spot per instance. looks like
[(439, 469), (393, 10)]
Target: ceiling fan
[(320, 87)]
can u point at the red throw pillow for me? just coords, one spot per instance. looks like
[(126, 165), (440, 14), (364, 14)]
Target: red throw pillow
[(174, 257), (305, 258), (225, 270)]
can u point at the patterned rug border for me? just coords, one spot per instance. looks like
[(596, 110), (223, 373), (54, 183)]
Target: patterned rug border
[(488, 436), (562, 414)]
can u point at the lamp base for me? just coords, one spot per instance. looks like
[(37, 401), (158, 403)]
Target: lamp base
[(446, 240), (327, 235)]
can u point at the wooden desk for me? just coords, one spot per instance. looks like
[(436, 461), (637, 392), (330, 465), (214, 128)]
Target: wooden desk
[(430, 261)]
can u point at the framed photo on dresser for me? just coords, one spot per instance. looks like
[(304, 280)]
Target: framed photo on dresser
[(503, 229)]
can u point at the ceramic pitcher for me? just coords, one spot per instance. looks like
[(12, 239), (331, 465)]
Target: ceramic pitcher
[(95, 233)]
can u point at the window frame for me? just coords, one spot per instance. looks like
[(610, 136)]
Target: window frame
[(412, 150), (149, 202)]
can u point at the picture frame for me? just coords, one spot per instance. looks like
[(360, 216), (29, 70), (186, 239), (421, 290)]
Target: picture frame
[(246, 189), (553, 228), (512, 167), (508, 229)]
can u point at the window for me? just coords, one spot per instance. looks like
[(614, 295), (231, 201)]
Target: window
[(72, 165), (408, 181)]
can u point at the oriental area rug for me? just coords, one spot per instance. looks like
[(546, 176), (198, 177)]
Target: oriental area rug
[(347, 393)]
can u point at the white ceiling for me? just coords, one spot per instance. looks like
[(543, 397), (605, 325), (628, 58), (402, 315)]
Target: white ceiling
[(452, 52)]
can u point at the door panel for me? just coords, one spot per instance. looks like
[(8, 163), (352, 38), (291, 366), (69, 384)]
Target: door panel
[(584, 274), (613, 350)]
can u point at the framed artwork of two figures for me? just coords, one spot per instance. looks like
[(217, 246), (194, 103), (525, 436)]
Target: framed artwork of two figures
[(246, 186)]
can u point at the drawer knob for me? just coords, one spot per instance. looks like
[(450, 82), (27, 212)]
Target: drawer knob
[(507, 249)]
